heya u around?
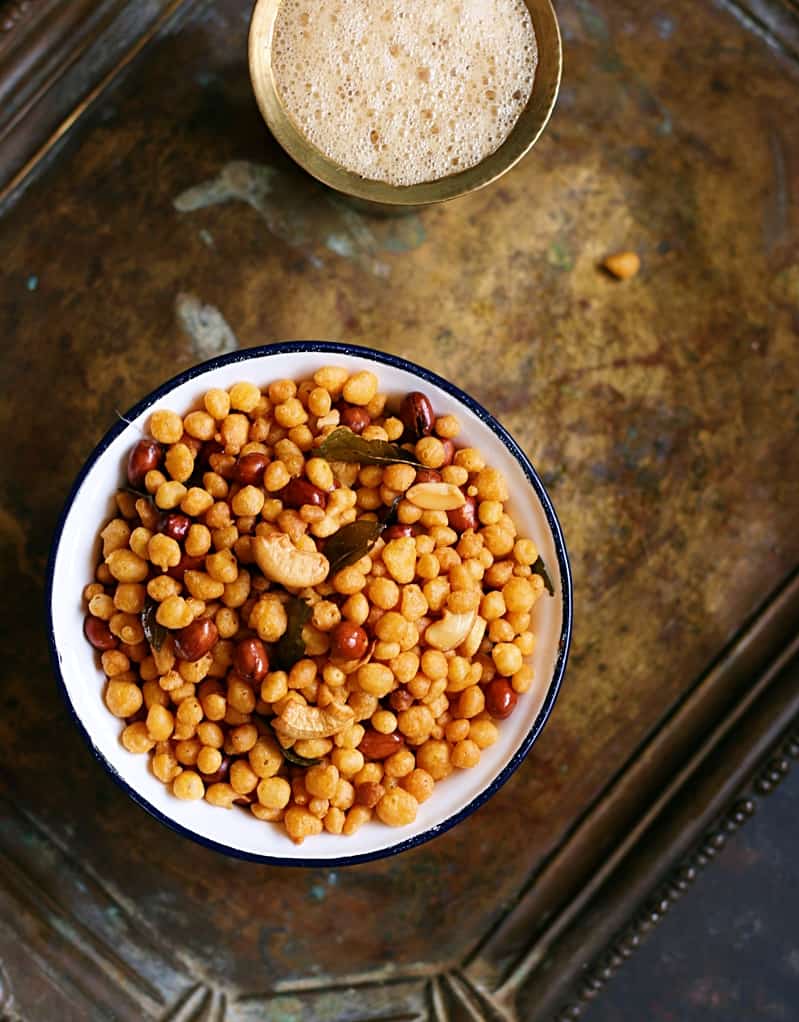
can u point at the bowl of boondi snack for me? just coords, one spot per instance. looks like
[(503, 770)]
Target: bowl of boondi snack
[(309, 603)]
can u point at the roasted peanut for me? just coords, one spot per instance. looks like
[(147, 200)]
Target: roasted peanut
[(250, 660), (356, 419), (349, 641), (250, 468), (375, 745), (500, 699), (299, 492), (98, 633), (416, 414), (144, 457), (464, 517), (196, 639)]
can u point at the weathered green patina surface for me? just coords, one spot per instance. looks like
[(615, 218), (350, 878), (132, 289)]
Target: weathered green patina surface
[(661, 412)]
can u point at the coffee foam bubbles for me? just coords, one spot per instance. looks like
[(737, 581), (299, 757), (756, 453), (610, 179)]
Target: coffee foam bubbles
[(404, 91)]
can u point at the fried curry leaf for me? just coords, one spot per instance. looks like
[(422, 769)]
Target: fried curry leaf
[(351, 543), (138, 493), (354, 541), (290, 647), (342, 445), (290, 755), (539, 568), (154, 632), (388, 515)]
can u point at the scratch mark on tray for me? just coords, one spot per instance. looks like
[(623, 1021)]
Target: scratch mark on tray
[(307, 216), (6, 995), (11, 528), (593, 22), (777, 211), (785, 288), (596, 27), (205, 325), (664, 26)]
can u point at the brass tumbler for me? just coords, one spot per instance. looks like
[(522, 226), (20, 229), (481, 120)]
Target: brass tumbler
[(395, 198)]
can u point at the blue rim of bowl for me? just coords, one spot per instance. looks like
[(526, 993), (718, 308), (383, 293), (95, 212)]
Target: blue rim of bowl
[(426, 375)]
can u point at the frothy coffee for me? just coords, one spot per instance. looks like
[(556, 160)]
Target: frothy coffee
[(404, 91)]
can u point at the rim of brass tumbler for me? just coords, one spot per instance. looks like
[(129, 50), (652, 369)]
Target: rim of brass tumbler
[(525, 133)]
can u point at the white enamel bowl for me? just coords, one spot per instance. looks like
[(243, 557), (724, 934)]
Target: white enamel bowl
[(236, 832)]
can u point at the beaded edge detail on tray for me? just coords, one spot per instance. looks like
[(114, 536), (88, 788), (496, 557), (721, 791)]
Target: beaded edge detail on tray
[(605, 967), (16, 12)]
